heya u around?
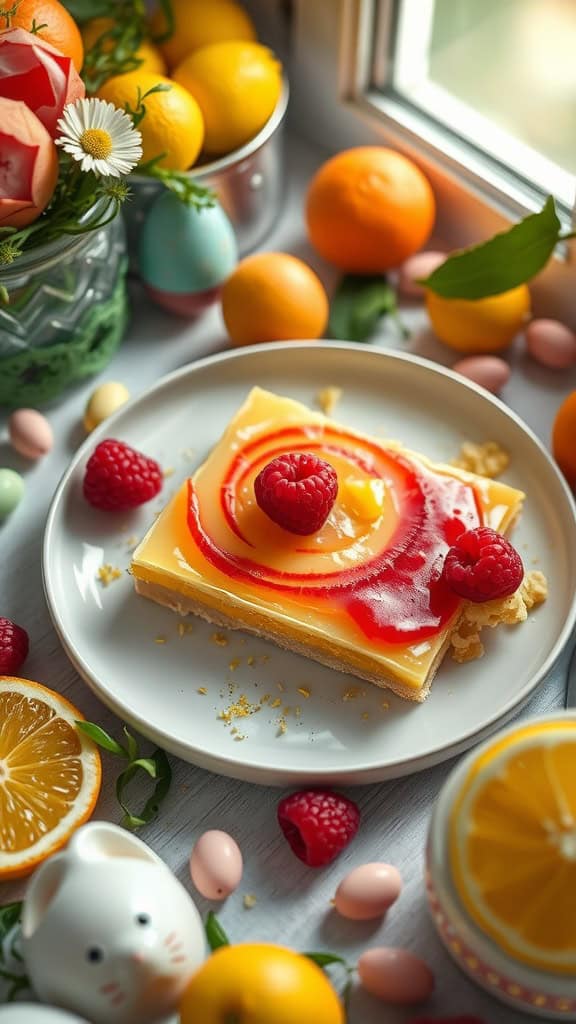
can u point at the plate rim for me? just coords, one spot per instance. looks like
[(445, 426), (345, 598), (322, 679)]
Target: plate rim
[(235, 767)]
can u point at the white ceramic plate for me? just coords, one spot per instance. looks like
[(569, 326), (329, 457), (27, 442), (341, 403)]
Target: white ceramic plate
[(109, 633)]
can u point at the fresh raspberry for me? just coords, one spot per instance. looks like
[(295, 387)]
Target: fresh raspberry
[(318, 824), (14, 646), (297, 491), (483, 565), (118, 478)]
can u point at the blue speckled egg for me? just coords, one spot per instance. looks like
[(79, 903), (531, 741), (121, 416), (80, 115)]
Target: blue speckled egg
[(185, 254)]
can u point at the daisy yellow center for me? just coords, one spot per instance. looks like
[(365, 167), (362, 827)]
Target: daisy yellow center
[(96, 142)]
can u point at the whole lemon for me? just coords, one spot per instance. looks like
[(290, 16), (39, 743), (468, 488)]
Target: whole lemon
[(272, 296), (172, 124), (260, 984), (197, 23), (149, 55), (479, 325), (236, 85)]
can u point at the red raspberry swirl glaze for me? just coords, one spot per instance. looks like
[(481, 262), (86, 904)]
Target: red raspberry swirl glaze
[(396, 597)]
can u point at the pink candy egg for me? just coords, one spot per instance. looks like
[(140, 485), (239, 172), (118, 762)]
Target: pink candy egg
[(216, 865), (368, 891), (395, 975), (489, 372), (551, 343), (421, 265), (30, 433)]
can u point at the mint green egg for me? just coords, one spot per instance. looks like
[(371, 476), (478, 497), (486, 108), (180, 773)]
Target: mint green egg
[(11, 491), (183, 250)]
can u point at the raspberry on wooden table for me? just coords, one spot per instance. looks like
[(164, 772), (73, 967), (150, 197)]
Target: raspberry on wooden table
[(118, 477), (14, 645), (483, 565), (297, 491), (318, 824)]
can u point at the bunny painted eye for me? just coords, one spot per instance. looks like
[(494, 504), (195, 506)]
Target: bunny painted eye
[(143, 919), (94, 955)]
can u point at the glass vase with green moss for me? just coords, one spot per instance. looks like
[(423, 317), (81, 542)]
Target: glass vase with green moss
[(64, 313)]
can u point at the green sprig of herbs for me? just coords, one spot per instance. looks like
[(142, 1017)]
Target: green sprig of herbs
[(157, 767), (358, 304), (16, 981)]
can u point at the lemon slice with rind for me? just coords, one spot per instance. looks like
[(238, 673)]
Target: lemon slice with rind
[(49, 775), (513, 844)]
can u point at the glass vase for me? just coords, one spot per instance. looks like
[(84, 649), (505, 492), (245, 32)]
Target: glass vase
[(66, 314)]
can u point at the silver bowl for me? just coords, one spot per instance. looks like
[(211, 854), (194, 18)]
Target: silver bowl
[(249, 183)]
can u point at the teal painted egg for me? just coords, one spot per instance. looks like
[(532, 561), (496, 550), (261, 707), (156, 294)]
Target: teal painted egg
[(185, 254)]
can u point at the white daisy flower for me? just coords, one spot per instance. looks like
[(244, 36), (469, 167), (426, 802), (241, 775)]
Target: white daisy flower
[(100, 137)]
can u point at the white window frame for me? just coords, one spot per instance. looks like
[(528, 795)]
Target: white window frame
[(334, 104)]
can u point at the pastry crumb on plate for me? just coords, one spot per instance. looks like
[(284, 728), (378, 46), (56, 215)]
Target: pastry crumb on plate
[(488, 459), (328, 398), (465, 641)]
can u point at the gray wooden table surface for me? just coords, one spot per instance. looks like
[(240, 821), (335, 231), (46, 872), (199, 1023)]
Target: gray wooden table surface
[(293, 902)]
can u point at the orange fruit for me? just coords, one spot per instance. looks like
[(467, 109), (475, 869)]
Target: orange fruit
[(479, 325), (260, 984), (49, 775), (512, 844), (564, 438), (173, 123), (58, 26), (237, 86), (152, 59), (272, 296), (197, 23), (369, 209)]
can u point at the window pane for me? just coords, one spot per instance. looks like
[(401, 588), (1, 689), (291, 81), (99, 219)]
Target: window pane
[(499, 73)]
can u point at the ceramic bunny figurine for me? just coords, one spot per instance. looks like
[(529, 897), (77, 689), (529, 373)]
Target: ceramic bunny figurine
[(108, 931), (33, 1013)]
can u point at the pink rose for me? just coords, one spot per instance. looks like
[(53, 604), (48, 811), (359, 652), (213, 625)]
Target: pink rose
[(37, 73), (28, 165)]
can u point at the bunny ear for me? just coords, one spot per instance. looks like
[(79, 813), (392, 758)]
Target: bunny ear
[(41, 891), (99, 840)]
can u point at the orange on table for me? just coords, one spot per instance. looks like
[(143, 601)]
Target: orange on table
[(173, 123), (198, 23), (369, 209), (49, 775), (150, 55), (512, 844), (237, 86), (258, 984), (58, 26), (479, 325), (564, 438), (272, 296)]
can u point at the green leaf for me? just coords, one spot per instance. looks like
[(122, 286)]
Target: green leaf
[(159, 768), (131, 744), (101, 738), (325, 959), (10, 915), (215, 933), (357, 306), (509, 259)]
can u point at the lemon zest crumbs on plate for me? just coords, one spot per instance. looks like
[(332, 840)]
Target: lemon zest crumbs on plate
[(160, 639), (298, 711), (251, 660), (249, 901), (465, 641), (488, 459), (365, 716), (220, 639), (281, 687), (131, 542), (304, 692), (328, 398), (234, 664), (276, 703), (353, 692), (169, 471), (202, 690), (241, 708), (184, 628), (385, 705), (265, 698), (282, 726), (108, 573)]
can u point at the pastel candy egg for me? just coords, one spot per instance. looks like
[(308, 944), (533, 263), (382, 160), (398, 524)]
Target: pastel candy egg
[(551, 343), (418, 267), (185, 254), (104, 401), (216, 865), (395, 975), (11, 491), (368, 891), (30, 433), (489, 372)]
